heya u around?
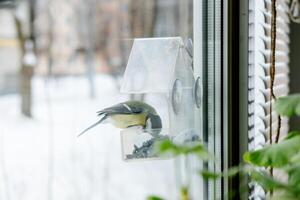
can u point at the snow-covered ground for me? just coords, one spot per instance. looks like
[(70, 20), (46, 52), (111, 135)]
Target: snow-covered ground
[(42, 159)]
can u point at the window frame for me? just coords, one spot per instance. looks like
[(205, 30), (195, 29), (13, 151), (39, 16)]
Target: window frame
[(235, 89), (208, 42)]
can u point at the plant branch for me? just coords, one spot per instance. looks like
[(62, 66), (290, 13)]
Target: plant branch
[(272, 75), (273, 71)]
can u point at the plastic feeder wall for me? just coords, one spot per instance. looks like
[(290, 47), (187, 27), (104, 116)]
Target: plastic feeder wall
[(160, 68)]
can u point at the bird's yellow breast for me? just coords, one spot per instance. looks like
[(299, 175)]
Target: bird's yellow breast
[(124, 121)]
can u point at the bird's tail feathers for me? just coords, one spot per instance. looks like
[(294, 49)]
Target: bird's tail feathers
[(92, 126)]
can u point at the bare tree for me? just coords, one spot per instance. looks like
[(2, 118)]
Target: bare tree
[(28, 59), (184, 18), (89, 41), (50, 38), (142, 18), (86, 30)]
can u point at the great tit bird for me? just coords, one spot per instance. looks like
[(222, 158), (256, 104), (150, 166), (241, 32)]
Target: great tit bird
[(129, 114)]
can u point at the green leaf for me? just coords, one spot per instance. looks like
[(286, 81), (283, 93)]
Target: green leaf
[(195, 148), (288, 105), (166, 146), (266, 181), (216, 175), (292, 134), (184, 193), (296, 159), (210, 175), (283, 196), (233, 171), (275, 155), (154, 198), (294, 178)]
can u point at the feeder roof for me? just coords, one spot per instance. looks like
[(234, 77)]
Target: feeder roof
[(151, 65)]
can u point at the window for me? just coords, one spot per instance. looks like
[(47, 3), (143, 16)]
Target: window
[(259, 68), (246, 80), (259, 73), (82, 49), (208, 65)]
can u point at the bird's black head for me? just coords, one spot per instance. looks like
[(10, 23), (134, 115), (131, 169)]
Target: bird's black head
[(153, 124)]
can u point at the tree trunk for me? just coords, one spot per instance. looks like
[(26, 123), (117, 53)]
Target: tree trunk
[(26, 73), (184, 18), (25, 89)]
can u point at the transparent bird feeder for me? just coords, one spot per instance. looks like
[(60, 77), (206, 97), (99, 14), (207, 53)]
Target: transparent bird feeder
[(160, 68)]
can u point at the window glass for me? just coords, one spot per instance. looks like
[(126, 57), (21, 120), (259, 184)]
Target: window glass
[(62, 61)]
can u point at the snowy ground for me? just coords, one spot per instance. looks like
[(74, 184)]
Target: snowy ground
[(42, 159)]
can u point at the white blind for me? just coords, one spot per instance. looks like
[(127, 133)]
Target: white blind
[(259, 56)]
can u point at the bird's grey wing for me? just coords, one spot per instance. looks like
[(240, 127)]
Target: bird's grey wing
[(121, 108), (137, 105)]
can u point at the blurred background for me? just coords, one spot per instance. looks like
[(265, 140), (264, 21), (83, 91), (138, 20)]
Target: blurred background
[(60, 62)]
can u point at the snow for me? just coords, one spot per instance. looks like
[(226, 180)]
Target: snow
[(42, 158)]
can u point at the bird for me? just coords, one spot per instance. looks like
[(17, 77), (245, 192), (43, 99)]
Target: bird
[(130, 114)]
